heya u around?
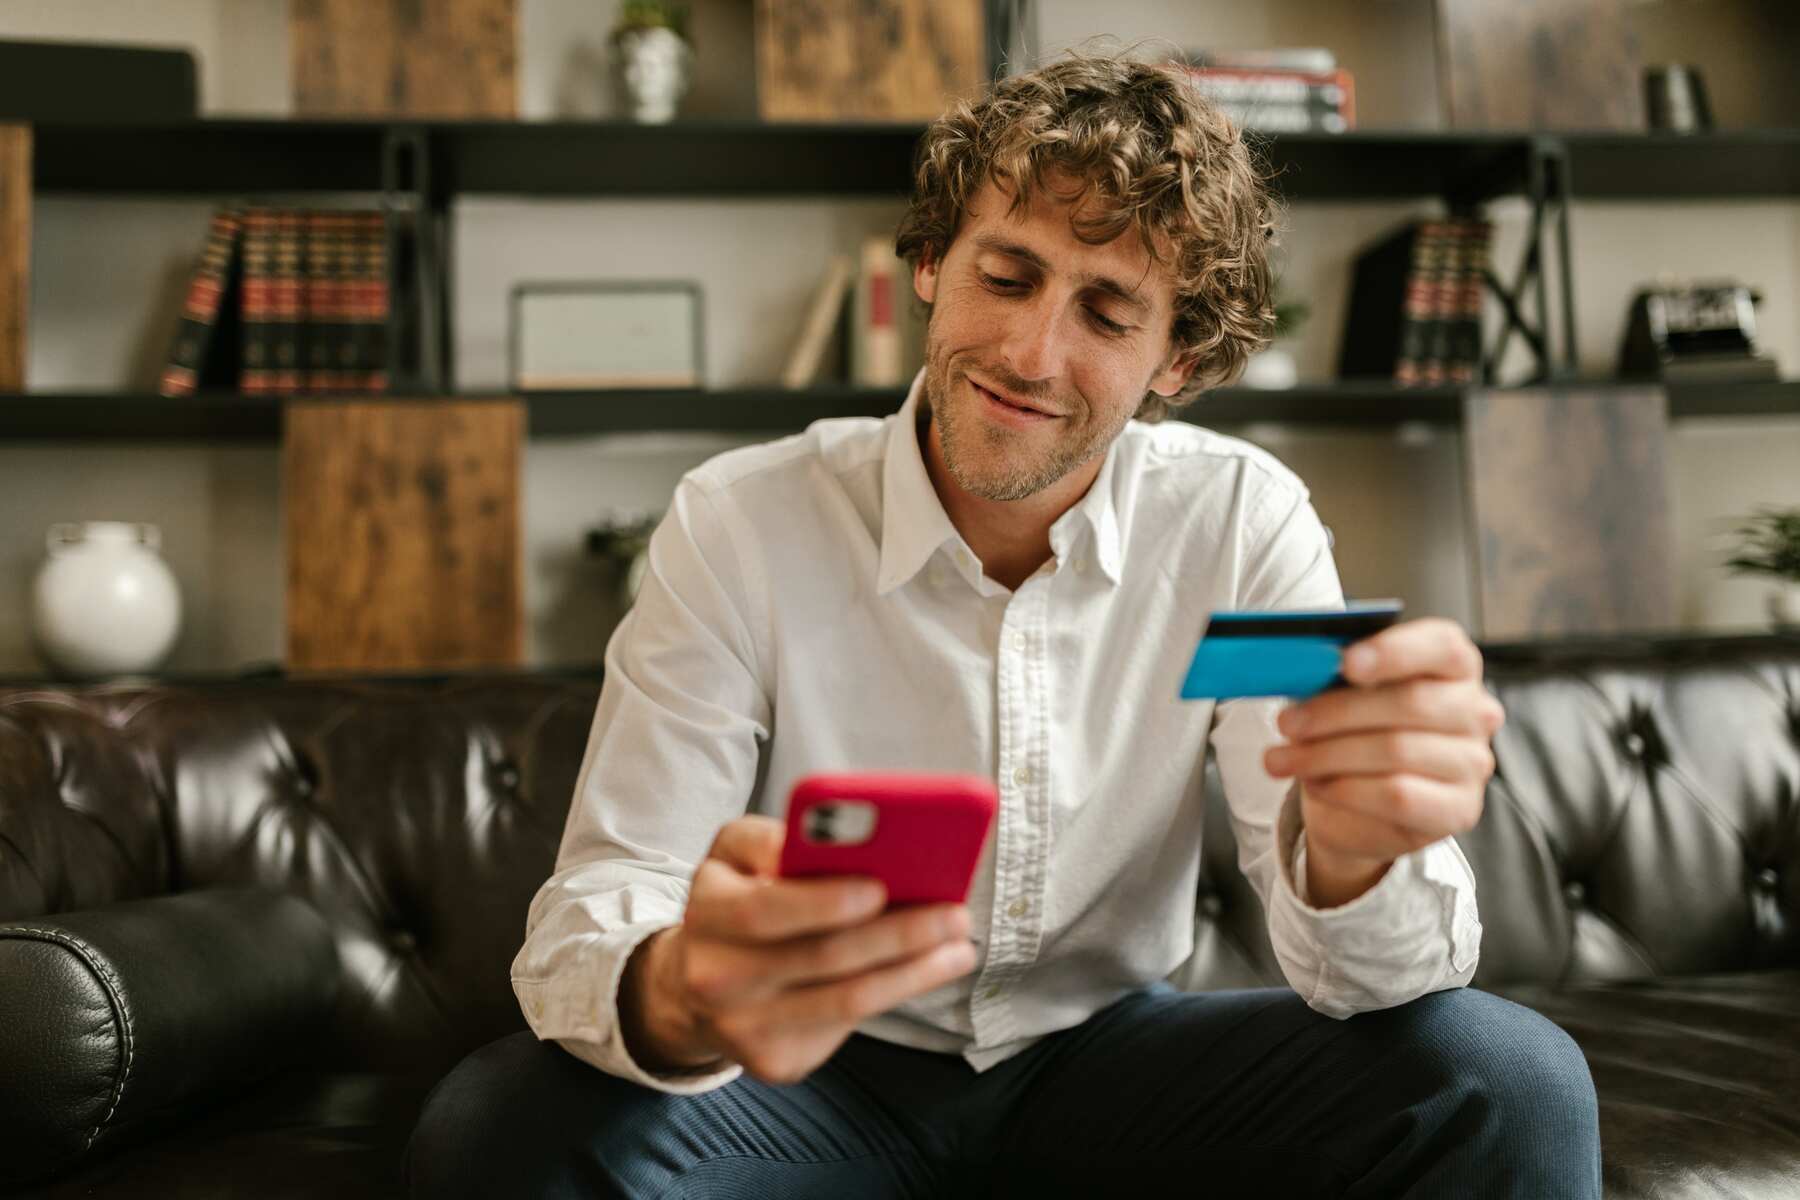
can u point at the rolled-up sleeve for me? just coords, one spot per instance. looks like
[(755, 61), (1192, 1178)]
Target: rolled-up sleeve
[(1417, 929), (672, 756)]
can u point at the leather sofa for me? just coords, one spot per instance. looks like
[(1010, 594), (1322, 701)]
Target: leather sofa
[(246, 924)]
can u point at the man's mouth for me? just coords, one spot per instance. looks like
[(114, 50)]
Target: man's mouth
[(1013, 404)]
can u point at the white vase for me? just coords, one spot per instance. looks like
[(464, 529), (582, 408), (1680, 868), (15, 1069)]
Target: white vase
[(653, 67), (104, 602), (1271, 368), (1784, 604)]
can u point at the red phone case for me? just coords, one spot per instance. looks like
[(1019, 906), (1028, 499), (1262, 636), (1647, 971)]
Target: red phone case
[(928, 836)]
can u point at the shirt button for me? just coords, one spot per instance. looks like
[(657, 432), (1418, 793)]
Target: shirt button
[(1020, 640), (1022, 776), (1017, 908)]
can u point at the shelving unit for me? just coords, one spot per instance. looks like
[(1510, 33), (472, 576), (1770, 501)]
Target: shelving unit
[(421, 167), (227, 417)]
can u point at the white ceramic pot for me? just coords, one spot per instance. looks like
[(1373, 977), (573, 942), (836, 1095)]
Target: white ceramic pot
[(1271, 368), (653, 67), (1784, 604), (104, 602)]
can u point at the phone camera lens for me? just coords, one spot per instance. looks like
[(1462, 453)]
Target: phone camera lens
[(821, 823)]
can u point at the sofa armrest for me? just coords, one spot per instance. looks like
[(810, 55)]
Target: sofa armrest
[(122, 1019)]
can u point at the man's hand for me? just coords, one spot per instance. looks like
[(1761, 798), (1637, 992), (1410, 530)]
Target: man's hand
[(775, 973), (1393, 763)]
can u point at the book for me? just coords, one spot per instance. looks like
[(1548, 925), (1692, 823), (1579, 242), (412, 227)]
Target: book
[(256, 376), (1312, 59), (1471, 290), (877, 358), (209, 298), (822, 316), (286, 293), (1278, 100), (368, 304)]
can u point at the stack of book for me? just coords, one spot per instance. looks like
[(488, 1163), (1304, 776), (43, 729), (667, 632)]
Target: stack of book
[(864, 306), (1415, 305), (1277, 90), (285, 302)]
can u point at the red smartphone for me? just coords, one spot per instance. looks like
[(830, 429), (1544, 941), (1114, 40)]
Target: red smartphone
[(920, 834)]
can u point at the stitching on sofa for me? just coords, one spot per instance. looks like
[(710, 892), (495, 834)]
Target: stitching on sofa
[(115, 994)]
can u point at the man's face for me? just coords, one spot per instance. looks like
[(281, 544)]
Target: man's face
[(1040, 347)]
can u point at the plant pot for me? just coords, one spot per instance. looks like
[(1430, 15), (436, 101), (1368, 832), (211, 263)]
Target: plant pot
[(104, 602), (1271, 368), (653, 67), (1784, 604)]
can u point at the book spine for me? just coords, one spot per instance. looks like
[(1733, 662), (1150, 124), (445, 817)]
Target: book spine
[(1329, 97), (370, 308), (256, 374), (285, 296), (878, 360), (200, 308), (1444, 292), (312, 299), (1415, 312), (336, 352), (1465, 342)]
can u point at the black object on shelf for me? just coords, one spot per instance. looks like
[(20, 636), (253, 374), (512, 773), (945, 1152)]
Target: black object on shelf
[(82, 81)]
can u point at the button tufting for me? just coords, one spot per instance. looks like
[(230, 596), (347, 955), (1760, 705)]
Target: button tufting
[(304, 787), (1212, 906), (402, 942), (507, 776), (1574, 893), (1634, 742), (1768, 878)]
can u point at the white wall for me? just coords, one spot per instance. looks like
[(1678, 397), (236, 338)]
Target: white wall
[(108, 273)]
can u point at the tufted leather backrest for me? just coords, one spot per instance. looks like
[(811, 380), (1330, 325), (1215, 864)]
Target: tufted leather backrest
[(1645, 818)]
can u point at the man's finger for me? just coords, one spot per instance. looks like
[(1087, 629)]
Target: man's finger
[(1408, 805), (731, 906), (848, 1001), (744, 973), (1463, 707), (1430, 646), (1452, 759), (751, 843)]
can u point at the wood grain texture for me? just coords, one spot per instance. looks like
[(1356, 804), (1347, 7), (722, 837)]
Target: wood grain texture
[(419, 58), (15, 253), (403, 535), (1539, 64), (832, 60), (1568, 499)]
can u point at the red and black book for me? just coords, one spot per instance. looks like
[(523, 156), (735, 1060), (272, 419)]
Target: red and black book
[(368, 308), (208, 312), (257, 374)]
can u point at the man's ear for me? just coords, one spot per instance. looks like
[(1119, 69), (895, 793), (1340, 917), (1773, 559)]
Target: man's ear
[(925, 276), (1174, 374)]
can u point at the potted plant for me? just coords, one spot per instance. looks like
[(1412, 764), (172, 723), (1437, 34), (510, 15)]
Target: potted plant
[(652, 58), (1769, 544)]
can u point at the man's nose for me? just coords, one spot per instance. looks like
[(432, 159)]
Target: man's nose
[(1033, 348)]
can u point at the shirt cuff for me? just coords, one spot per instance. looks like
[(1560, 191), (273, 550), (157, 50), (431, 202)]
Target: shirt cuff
[(579, 1010), (1414, 931)]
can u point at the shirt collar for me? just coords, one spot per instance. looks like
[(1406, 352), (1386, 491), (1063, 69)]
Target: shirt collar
[(914, 524)]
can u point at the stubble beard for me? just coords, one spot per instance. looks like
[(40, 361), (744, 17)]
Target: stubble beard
[(986, 461)]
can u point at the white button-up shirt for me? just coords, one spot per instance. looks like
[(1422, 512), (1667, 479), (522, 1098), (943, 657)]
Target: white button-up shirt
[(809, 607)]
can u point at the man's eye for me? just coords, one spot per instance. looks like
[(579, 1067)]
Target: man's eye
[(1106, 323), (995, 281)]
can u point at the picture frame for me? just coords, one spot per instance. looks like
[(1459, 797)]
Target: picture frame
[(578, 335)]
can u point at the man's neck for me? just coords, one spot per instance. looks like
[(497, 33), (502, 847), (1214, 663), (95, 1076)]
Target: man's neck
[(1010, 537)]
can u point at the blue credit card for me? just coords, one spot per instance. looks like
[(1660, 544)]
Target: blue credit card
[(1283, 652)]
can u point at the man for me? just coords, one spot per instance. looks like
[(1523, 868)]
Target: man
[(1006, 578)]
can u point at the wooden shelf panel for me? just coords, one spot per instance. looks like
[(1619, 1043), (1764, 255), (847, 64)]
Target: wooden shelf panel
[(225, 417)]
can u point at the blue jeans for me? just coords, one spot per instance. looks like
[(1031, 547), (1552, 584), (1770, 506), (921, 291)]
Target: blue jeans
[(1457, 1094)]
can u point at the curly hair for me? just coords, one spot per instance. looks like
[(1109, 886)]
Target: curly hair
[(1160, 158)]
